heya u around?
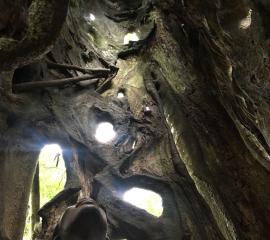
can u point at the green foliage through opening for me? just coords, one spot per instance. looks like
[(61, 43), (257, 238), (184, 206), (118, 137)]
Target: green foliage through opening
[(52, 179)]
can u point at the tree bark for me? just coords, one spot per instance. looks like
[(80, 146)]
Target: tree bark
[(192, 125), (35, 201)]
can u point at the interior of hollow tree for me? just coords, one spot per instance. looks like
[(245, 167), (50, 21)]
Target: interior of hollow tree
[(107, 129), (154, 113)]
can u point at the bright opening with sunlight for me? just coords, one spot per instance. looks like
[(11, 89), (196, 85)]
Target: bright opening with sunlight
[(145, 199), (90, 17), (147, 109), (52, 179), (120, 95), (131, 37), (105, 132), (52, 172), (246, 22)]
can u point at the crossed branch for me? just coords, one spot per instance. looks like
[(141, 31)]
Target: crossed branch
[(94, 74)]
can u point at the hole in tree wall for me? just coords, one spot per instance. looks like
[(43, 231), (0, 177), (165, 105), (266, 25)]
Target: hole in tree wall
[(52, 179), (105, 132), (131, 37), (52, 172), (145, 199)]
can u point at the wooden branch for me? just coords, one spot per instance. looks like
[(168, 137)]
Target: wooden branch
[(105, 83), (133, 47), (78, 68), (106, 63), (61, 196), (52, 83)]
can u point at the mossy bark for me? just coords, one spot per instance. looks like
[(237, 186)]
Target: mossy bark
[(204, 144)]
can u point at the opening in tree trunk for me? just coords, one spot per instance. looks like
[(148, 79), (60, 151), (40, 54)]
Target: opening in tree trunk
[(166, 96)]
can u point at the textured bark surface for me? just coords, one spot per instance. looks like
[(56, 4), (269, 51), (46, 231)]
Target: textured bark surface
[(204, 145), (35, 200)]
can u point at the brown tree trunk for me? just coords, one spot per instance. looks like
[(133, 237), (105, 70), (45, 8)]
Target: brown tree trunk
[(18, 175), (203, 144), (35, 200)]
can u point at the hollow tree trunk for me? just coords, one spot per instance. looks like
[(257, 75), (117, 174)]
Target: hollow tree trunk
[(203, 145)]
